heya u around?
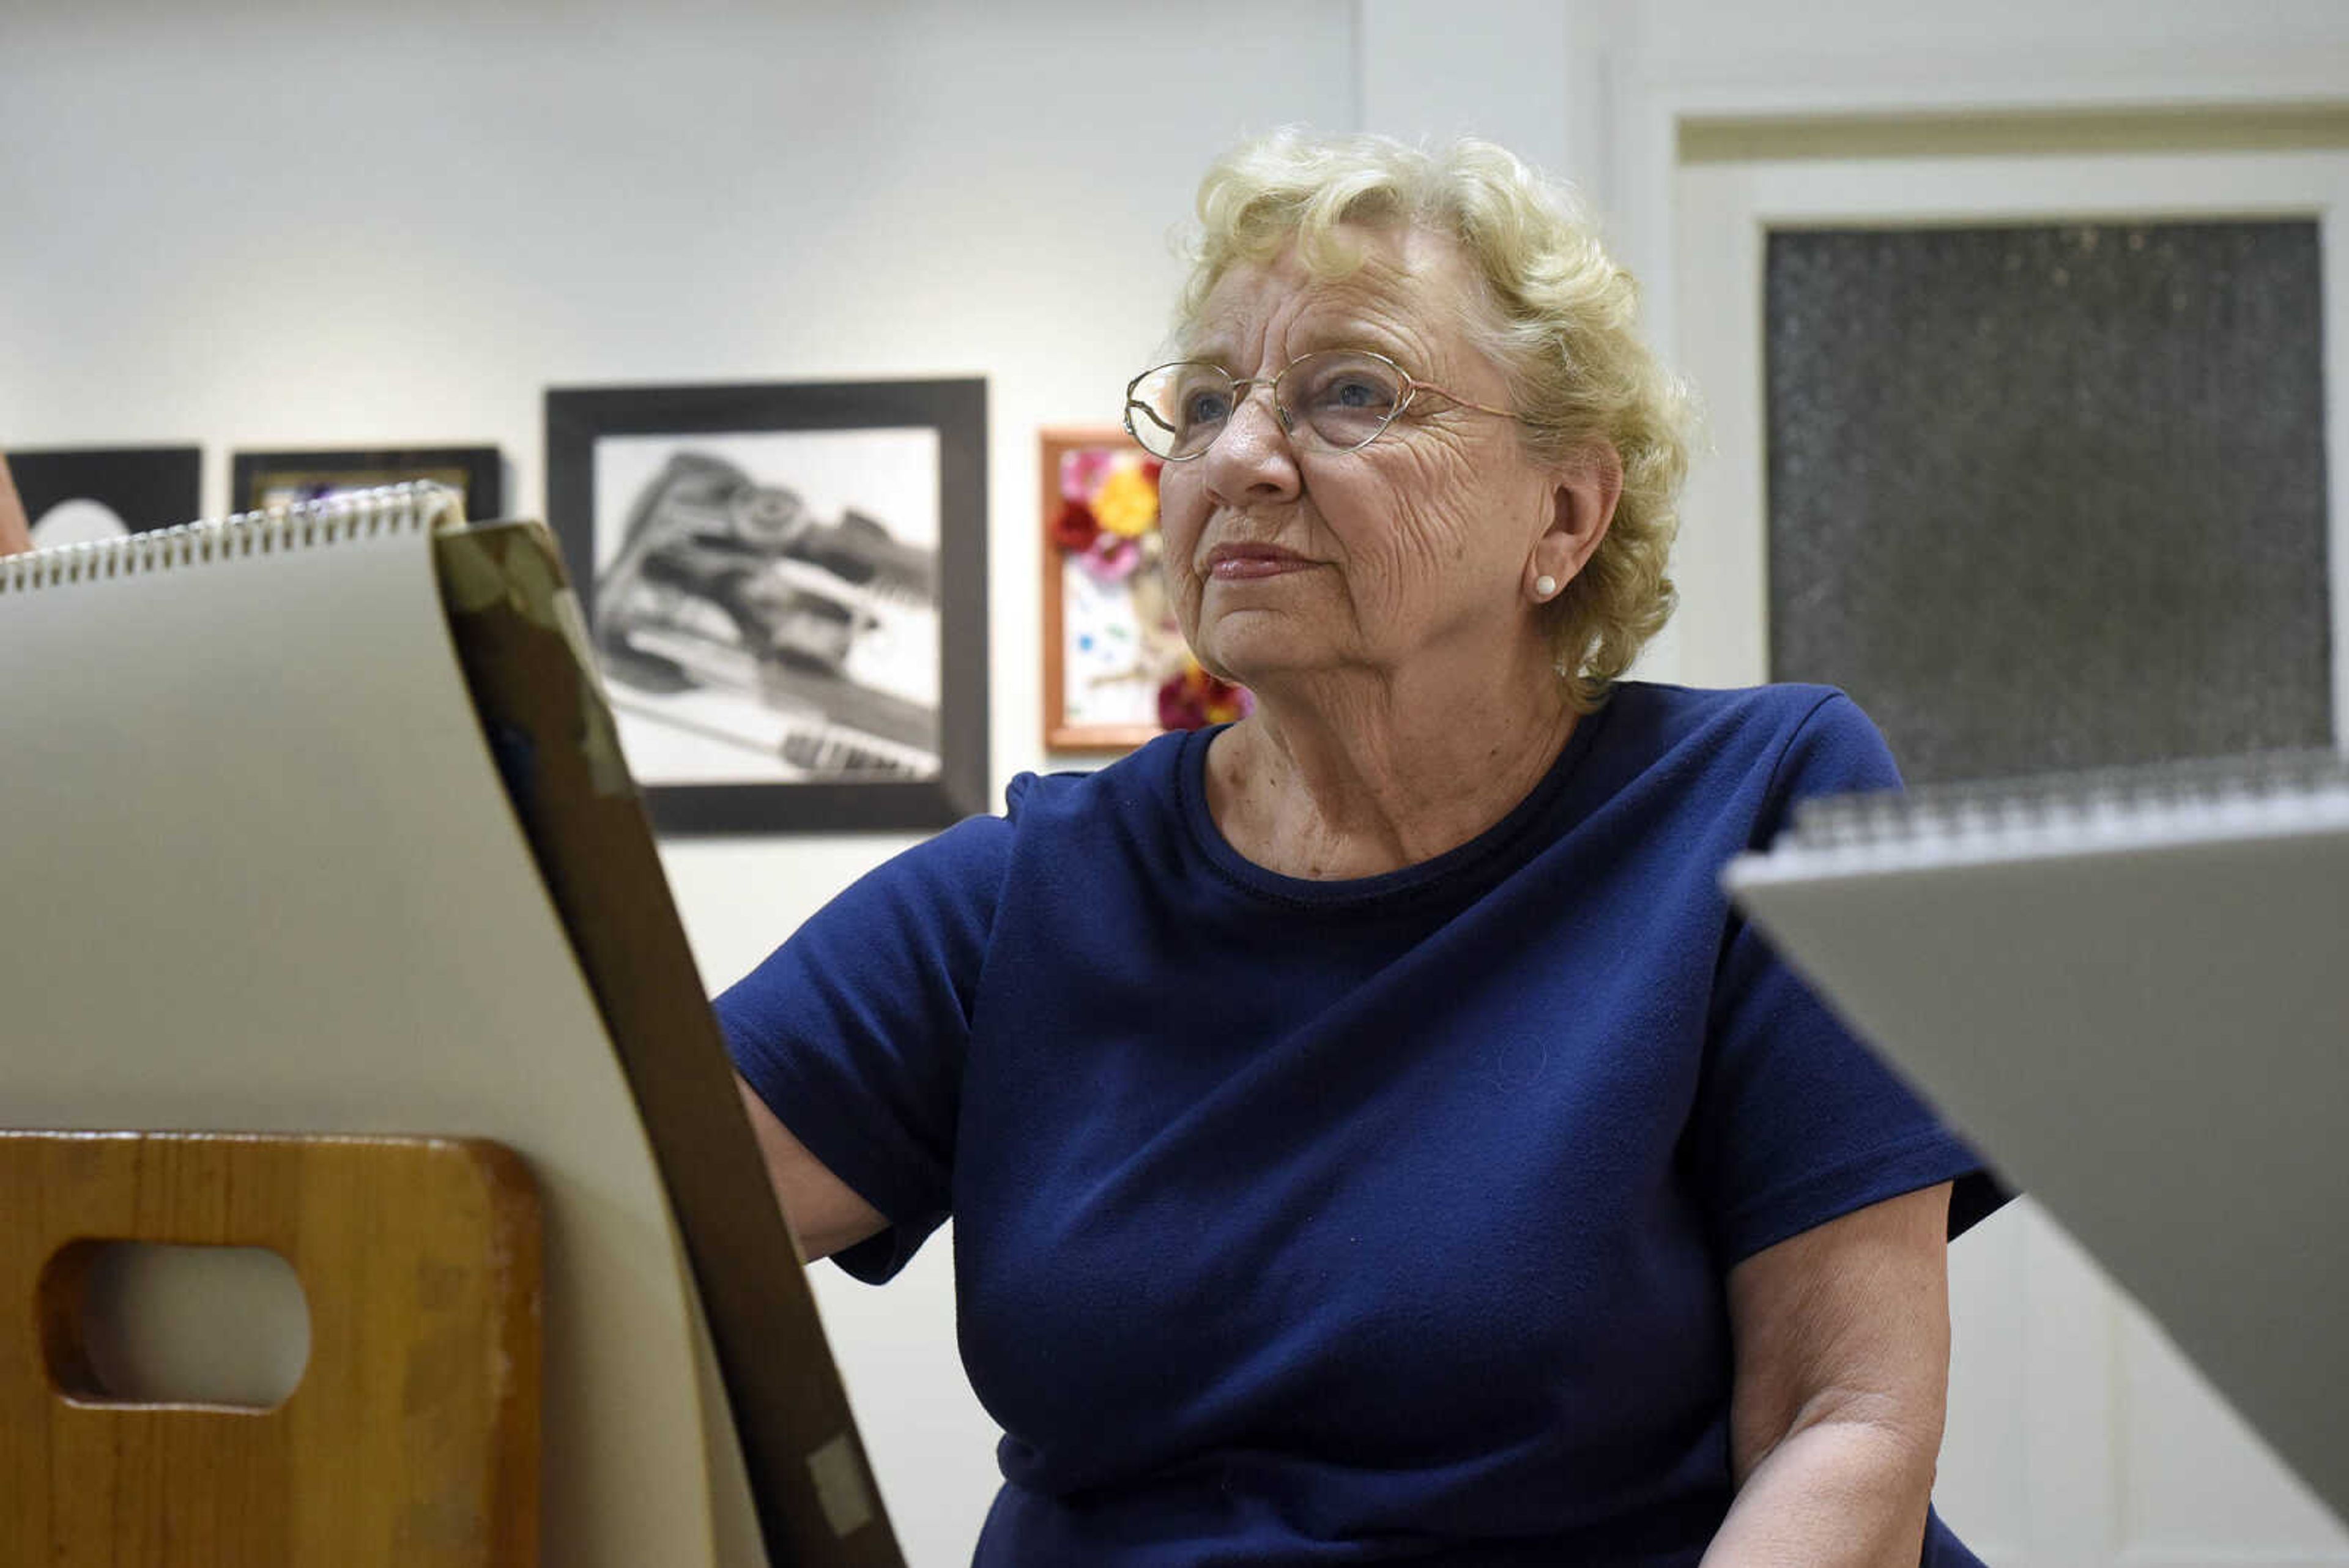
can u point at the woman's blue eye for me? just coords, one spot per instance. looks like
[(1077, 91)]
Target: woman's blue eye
[(1205, 408), (1353, 393)]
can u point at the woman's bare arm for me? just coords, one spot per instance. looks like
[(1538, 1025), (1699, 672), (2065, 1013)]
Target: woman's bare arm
[(824, 1212), (1842, 1342), (15, 532)]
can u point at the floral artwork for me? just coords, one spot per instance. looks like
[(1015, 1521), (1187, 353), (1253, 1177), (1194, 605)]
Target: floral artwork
[(1191, 698), (1123, 670)]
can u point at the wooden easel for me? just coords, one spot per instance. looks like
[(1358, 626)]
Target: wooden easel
[(15, 532), (411, 1439)]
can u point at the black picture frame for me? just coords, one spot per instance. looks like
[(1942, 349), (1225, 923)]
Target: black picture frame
[(143, 487), (260, 478), (748, 559)]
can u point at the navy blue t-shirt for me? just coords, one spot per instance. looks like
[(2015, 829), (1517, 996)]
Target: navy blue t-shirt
[(1376, 1221)]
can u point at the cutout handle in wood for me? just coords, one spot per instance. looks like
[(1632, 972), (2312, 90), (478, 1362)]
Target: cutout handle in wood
[(412, 1438)]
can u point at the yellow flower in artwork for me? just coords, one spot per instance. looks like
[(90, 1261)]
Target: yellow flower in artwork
[(1126, 503)]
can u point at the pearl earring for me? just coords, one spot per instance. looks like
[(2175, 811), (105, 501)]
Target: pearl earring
[(1544, 586)]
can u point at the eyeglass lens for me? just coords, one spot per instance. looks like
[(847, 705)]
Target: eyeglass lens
[(1343, 397)]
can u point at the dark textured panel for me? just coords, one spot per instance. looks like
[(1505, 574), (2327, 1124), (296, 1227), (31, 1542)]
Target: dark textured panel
[(2053, 497)]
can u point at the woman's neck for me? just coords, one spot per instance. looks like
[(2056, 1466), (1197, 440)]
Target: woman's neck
[(1355, 774)]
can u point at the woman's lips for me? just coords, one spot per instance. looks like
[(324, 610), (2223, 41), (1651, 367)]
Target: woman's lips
[(1245, 563)]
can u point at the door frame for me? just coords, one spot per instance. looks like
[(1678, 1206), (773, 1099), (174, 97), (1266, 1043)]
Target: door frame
[(2035, 1319)]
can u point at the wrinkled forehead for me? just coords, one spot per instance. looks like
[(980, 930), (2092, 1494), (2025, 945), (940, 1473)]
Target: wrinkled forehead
[(1387, 282)]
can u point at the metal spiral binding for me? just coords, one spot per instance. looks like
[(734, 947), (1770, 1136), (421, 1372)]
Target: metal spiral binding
[(392, 508), (2090, 802)]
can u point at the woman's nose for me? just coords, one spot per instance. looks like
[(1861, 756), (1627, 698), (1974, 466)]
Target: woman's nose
[(1254, 459)]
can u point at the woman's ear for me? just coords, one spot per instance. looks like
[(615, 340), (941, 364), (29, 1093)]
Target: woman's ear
[(1582, 504)]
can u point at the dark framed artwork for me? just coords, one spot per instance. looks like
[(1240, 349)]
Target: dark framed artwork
[(258, 480), (82, 494), (1116, 669), (785, 584)]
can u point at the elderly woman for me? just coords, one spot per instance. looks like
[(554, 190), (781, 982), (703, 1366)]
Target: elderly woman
[(1370, 1136)]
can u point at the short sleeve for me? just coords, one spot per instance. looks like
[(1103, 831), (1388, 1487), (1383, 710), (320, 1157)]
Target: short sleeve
[(1796, 1121), (853, 1031)]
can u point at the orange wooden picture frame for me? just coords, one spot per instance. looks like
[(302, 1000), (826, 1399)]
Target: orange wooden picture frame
[(1059, 735)]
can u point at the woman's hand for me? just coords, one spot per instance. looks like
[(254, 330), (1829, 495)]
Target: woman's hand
[(1842, 1344)]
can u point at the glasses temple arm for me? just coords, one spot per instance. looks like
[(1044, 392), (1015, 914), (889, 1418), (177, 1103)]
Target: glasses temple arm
[(1416, 385), (1148, 412)]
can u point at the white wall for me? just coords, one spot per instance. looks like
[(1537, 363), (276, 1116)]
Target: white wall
[(278, 224), (273, 226)]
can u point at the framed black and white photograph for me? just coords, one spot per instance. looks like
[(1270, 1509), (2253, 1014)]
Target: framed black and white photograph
[(260, 480), (786, 587), (84, 494)]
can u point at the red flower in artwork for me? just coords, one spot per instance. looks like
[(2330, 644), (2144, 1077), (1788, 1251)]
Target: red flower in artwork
[(1076, 527), (1179, 708), (1192, 700)]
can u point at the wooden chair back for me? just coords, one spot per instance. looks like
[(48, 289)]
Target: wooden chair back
[(411, 1437)]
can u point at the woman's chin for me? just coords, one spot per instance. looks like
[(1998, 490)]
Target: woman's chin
[(1254, 662), (1250, 647)]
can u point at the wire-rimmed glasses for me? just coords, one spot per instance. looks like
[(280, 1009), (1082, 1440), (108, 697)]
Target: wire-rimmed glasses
[(1345, 398)]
